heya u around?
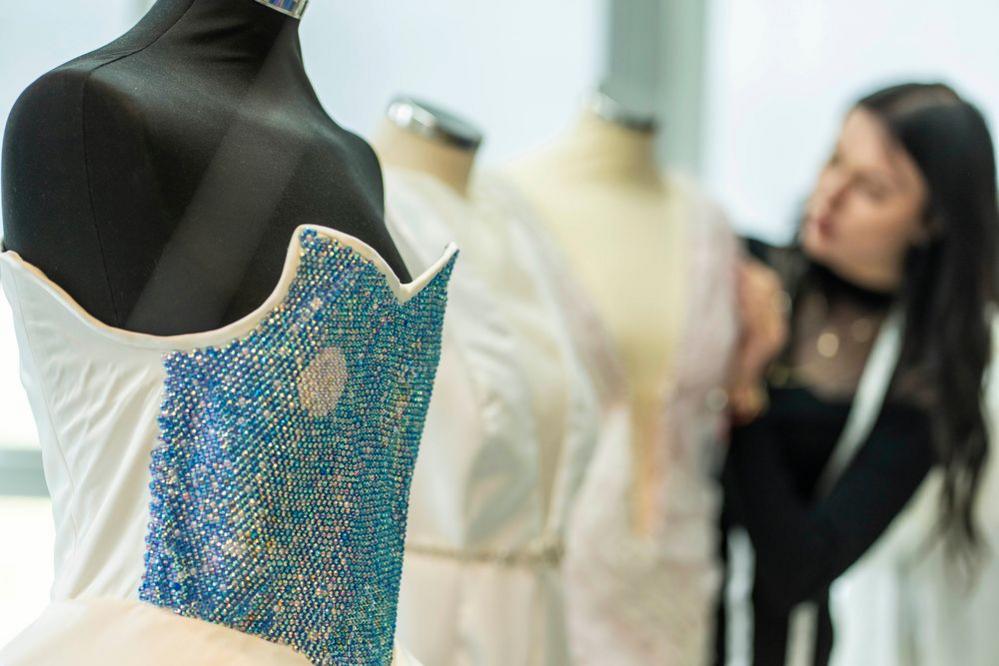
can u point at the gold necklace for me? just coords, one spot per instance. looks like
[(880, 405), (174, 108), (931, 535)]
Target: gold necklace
[(828, 343)]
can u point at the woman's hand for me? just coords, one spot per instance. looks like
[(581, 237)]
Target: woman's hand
[(763, 312)]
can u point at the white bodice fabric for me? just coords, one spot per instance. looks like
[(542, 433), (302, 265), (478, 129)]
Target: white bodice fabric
[(499, 473), (97, 394), (638, 596)]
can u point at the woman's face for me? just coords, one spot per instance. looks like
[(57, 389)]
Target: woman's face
[(867, 207)]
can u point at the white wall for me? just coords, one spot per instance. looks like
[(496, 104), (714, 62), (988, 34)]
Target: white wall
[(782, 72), (517, 68)]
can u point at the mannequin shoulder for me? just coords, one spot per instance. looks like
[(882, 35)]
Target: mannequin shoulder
[(706, 208), (47, 102), (707, 222), (55, 103), (365, 161), (49, 128), (44, 184), (43, 130)]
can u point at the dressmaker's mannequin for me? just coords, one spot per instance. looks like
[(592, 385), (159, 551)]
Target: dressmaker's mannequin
[(513, 418), (158, 179), (658, 260), (615, 214), (418, 136)]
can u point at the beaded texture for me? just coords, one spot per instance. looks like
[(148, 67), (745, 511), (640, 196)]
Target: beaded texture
[(293, 8), (280, 481)]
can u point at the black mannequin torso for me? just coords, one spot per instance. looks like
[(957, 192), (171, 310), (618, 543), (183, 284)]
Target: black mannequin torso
[(158, 179)]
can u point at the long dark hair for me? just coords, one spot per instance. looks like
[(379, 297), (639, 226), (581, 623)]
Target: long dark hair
[(950, 281)]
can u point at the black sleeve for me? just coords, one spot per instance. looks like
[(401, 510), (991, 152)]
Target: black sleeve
[(802, 547)]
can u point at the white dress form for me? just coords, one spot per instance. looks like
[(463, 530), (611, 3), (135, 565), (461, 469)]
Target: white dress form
[(511, 427), (618, 219), (657, 260)]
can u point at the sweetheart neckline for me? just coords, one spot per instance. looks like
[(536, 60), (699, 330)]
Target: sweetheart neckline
[(403, 293)]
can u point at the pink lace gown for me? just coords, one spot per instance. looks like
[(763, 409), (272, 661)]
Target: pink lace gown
[(646, 596)]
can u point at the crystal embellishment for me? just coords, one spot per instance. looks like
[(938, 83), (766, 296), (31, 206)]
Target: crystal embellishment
[(280, 480)]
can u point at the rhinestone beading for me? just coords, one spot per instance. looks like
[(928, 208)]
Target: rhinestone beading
[(280, 481)]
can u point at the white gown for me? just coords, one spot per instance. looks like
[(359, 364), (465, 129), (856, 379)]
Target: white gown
[(234, 496), (512, 425), (639, 597)]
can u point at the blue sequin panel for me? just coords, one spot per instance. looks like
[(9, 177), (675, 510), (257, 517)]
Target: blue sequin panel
[(280, 481)]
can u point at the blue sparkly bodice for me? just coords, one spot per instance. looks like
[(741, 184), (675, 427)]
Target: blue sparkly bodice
[(281, 477)]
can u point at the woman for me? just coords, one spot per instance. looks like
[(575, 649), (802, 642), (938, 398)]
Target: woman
[(890, 284)]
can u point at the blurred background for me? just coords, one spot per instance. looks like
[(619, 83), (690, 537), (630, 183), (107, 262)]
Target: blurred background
[(749, 93)]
